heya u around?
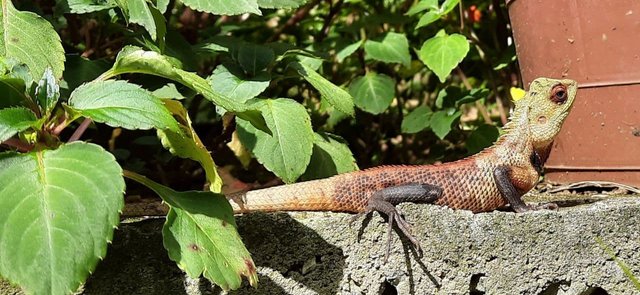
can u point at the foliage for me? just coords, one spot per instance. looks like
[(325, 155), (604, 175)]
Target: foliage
[(301, 86)]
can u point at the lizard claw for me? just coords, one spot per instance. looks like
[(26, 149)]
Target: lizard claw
[(384, 200), (394, 216), (404, 227)]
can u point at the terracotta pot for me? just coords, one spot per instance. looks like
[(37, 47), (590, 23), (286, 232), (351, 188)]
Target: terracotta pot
[(596, 43)]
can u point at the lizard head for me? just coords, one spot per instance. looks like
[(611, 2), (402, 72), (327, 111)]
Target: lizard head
[(548, 102)]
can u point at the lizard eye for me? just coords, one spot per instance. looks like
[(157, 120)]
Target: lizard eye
[(559, 94)]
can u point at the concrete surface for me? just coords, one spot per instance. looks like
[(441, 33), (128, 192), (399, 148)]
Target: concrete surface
[(543, 252)]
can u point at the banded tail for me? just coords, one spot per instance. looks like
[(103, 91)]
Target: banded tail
[(315, 195)]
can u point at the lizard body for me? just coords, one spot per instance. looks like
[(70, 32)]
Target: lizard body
[(497, 176), (468, 183)]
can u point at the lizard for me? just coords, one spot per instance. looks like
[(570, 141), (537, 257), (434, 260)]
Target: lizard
[(493, 178)]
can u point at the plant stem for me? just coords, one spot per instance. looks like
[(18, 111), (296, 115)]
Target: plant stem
[(18, 144), (81, 129), (461, 16), (335, 8)]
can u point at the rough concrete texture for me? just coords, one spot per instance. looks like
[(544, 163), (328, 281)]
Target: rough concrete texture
[(543, 252)]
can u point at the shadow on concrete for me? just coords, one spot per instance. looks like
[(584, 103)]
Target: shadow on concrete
[(280, 243), (137, 263)]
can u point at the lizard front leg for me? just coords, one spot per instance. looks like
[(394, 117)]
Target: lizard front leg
[(503, 176), (384, 201)]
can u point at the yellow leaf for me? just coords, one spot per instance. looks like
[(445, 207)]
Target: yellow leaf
[(517, 93)]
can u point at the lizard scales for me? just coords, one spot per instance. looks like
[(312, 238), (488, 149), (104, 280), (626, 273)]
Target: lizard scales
[(497, 176)]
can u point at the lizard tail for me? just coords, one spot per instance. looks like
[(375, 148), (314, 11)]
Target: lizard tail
[(315, 195)]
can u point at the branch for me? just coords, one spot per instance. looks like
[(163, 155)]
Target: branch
[(81, 129), (335, 8), (18, 144)]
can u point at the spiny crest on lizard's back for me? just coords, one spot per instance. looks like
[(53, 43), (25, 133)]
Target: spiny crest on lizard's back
[(543, 110)]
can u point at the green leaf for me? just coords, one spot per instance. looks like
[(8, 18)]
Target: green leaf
[(330, 156), (454, 97), (394, 47), (17, 70), (448, 96), (236, 86), (281, 3), (443, 53), (201, 236), (348, 50), (441, 121), (472, 96), (47, 92), (373, 92), (336, 96), (14, 120), (224, 7), (288, 150), (448, 5), (434, 13), (484, 136), (58, 209), (311, 62), (143, 13), (506, 58), (428, 18), (335, 117), (12, 90), (133, 59), (168, 91), (422, 6), (418, 120), (86, 6), (162, 5), (185, 143), (121, 104), (254, 58), (30, 39)]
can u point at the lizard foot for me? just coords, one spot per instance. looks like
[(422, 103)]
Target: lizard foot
[(394, 216), (384, 201)]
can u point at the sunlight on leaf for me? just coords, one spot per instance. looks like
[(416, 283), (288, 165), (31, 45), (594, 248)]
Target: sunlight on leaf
[(224, 7), (58, 209), (201, 236), (394, 47), (185, 143), (417, 120), (287, 151), (30, 39), (336, 96), (121, 104), (331, 156), (373, 92), (443, 53)]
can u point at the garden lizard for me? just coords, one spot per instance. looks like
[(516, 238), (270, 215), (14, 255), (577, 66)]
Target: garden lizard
[(497, 176)]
